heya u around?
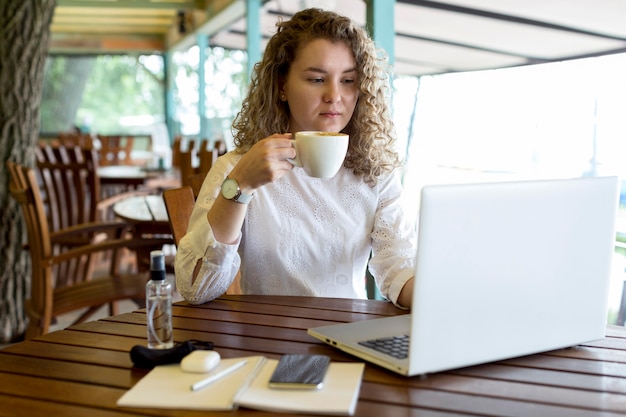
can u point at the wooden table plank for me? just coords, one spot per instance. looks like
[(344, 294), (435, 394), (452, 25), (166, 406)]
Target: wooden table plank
[(49, 369), (242, 323), (474, 405), (315, 304), (182, 327), (92, 339), (600, 383), (565, 363), (116, 336), (512, 389), (239, 339), (61, 390), (33, 348), (598, 354), (19, 406), (609, 342), (262, 319), (616, 331), (280, 310)]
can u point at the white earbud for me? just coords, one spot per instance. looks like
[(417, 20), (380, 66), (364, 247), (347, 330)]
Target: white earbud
[(200, 361)]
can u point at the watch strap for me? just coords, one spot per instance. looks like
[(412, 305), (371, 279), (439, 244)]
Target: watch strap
[(242, 198)]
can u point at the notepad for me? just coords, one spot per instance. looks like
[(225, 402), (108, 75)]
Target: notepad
[(167, 386), (338, 396)]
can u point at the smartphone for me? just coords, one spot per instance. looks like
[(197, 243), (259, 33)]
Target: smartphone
[(300, 372)]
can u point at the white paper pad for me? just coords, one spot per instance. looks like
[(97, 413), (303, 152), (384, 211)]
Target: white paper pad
[(167, 386), (338, 396)]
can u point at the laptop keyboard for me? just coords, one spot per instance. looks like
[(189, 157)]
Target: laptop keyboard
[(396, 346)]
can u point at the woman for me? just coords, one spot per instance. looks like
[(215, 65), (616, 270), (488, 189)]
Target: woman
[(292, 234)]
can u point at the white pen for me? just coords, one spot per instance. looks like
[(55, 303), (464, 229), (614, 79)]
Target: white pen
[(211, 379)]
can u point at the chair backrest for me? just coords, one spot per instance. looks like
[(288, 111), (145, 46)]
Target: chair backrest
[(115, 150), (220, 146), (176, 148), (69, 190), (207, 155), (179, 204), (186, 162), (71, 139), (195, 163), (69, 183)]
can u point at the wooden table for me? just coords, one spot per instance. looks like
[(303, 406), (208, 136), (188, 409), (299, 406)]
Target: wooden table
[(146, 212), (136, 176), (148, 215), (142, 208), (83, 370)]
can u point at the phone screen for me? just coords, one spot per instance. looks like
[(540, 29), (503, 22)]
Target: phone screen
[(300, 372)]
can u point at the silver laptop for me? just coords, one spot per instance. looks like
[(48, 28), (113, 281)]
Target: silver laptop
[(503, 270)]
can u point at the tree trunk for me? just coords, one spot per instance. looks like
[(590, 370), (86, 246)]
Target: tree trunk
[(24, 38)]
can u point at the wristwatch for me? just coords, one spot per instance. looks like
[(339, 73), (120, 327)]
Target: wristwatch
[(231, 191)]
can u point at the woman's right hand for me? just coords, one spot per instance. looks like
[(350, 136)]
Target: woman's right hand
[(265, 162)]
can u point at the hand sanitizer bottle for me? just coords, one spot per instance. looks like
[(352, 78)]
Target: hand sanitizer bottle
[(159, 304)]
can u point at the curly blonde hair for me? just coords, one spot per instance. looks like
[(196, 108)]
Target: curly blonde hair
[(371, 151)]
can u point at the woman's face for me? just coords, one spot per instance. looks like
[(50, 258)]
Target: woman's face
[(321, 87)]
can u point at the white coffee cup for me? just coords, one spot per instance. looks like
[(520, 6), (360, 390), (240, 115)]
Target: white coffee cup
[(321, 154)]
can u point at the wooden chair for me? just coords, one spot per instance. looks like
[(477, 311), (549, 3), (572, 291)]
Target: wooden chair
[(71, 186), (115, 150), (206, 156), (186, 162), (179, 203), (70, 139), (220, 146), (192, 173), (176, 149), (71, 193), (61, 280)]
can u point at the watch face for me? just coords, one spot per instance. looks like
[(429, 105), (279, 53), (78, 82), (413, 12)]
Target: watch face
[(229, 188)]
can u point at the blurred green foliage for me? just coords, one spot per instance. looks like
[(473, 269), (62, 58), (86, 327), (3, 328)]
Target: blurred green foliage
[(102, 93)]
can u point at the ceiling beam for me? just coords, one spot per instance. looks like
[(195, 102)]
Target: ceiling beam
[(219, 16), (144, 4), (103, 43)]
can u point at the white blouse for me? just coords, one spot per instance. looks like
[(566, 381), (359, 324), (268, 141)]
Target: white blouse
[(302, 236)]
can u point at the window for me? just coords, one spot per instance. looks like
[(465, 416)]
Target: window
[(225, 87), (106, 94), (558, 120)]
